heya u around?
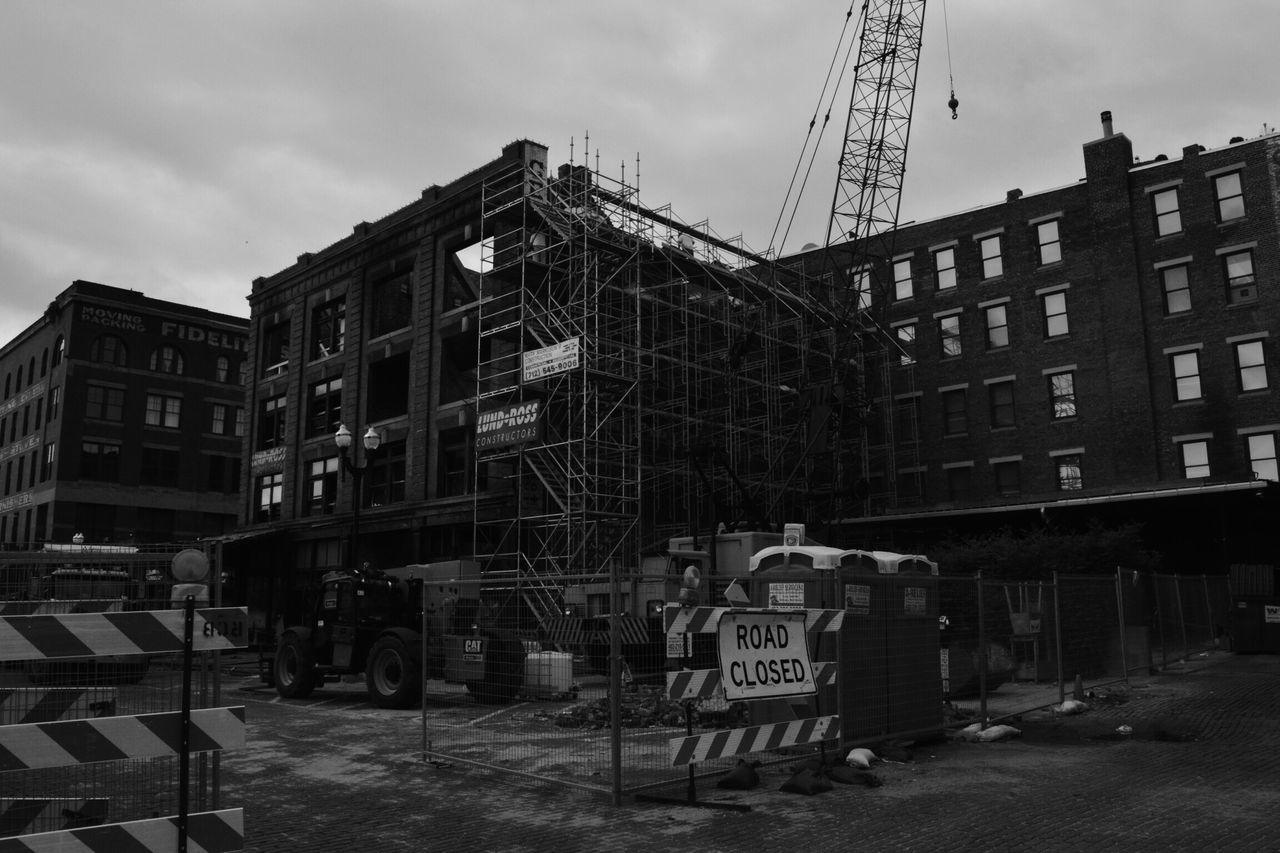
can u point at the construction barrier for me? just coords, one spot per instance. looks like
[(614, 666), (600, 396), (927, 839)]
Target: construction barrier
[(49, 733)]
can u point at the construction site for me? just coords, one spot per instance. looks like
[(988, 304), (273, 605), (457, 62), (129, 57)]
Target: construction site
[(677, 384)]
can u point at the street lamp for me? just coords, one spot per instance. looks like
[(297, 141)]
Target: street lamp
[(371, 440)]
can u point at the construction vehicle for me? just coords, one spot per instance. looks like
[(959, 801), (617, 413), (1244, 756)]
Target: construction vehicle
[(399, 627)]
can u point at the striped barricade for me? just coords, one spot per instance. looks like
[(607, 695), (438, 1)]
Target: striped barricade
[(82, 635), (27, 815), (211, 832), (705, 684), (49, 735), (47, 704), (40, 745)]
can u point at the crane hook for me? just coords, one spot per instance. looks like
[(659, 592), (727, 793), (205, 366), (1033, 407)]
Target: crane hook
[(953, 103)]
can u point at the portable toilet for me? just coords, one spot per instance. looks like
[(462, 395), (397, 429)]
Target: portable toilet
[(798, 577), (913, 642), (863, 680)]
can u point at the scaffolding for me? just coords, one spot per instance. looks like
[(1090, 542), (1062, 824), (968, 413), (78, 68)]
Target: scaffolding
[(686, 384)]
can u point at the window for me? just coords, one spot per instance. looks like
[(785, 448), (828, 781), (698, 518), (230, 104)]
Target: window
[(860, 287), (1185, 367), (1262, 456), (1251, 365), (222, 369), (242, 422), (959, 483), (949, 335), (906, 337), (104, 403), (955, 411), (1226, 189), (386, 475), (322, 486), (1168, 214), (1002, 411), (159, 467), (324, 407), (59, 350), (46, 469), (109, 349), (454, 469), (227, 420), (992, 262), (1049, 243), (1055, 315), (328, 328), (1177, 291), (1062, 395), (167, 359), (944, 268), (902, 279), (275, 349), (1195, 459), (270, 491), (55, 397), (388, 384), (1008, 477), (997, 326), (1069, 478), (164, 411), (1237, 268), (392, 304), (271, 423)]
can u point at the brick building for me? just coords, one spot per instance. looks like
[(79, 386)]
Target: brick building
[(121, 419), (1099, 350)]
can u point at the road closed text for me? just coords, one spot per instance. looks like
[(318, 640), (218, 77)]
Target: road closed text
[(764, 655)]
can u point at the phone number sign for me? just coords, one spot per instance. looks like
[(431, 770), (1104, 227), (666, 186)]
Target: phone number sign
[(764, 655)]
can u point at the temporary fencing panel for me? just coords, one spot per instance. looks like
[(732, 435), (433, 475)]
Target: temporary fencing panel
[(108, 716)]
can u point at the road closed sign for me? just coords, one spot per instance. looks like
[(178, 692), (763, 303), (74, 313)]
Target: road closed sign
[(764, 655)]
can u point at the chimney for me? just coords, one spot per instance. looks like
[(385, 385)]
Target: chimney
[(1106, 124)]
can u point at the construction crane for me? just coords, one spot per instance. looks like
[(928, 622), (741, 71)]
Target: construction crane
[(859, 238)]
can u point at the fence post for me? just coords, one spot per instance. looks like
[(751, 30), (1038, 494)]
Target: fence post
[(1057, 636), (1124, 644), (1208, 610), (615, 681), (982, 653), (1182, 617), (184, 750)]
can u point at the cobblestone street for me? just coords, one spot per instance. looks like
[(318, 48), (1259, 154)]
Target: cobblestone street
[(1198, 772)]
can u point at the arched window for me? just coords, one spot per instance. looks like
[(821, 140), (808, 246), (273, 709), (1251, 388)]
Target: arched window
[(59, 350), (109, 349), (17, 385), (44, 363), (167, 359), (31, 370), (8, 377), (222, 369)]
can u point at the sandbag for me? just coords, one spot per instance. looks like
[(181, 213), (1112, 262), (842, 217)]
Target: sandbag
[(807, 782), (741, 778)]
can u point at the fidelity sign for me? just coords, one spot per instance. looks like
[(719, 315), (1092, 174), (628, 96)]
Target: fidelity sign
[(508, 425), (764, 655)]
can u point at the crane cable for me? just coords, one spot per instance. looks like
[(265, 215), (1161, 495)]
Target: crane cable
[(800, 159), (946, 29)]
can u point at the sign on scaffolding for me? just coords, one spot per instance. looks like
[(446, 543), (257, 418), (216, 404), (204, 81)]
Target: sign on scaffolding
[(548, 361)]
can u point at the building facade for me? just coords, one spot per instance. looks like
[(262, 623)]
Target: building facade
[(121, 420), (1099, 349)]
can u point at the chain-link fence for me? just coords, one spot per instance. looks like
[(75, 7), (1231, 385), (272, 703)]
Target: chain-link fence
[(601, 695), (63, 599)]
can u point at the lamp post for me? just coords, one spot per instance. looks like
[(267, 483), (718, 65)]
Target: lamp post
[(371, 440)]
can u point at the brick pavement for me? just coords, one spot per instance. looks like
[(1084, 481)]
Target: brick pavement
[(1069, 783)]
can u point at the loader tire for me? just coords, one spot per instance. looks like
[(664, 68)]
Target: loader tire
[(393, 677), (295, 667)]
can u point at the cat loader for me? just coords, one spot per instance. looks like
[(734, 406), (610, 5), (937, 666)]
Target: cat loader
[(397, 627)]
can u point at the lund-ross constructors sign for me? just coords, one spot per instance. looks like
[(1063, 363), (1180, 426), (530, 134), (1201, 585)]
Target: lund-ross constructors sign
[(509, 425)]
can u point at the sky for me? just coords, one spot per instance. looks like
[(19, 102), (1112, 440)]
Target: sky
[(182, 149)]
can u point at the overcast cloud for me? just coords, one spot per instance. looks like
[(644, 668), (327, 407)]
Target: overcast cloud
[(182, 148)]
